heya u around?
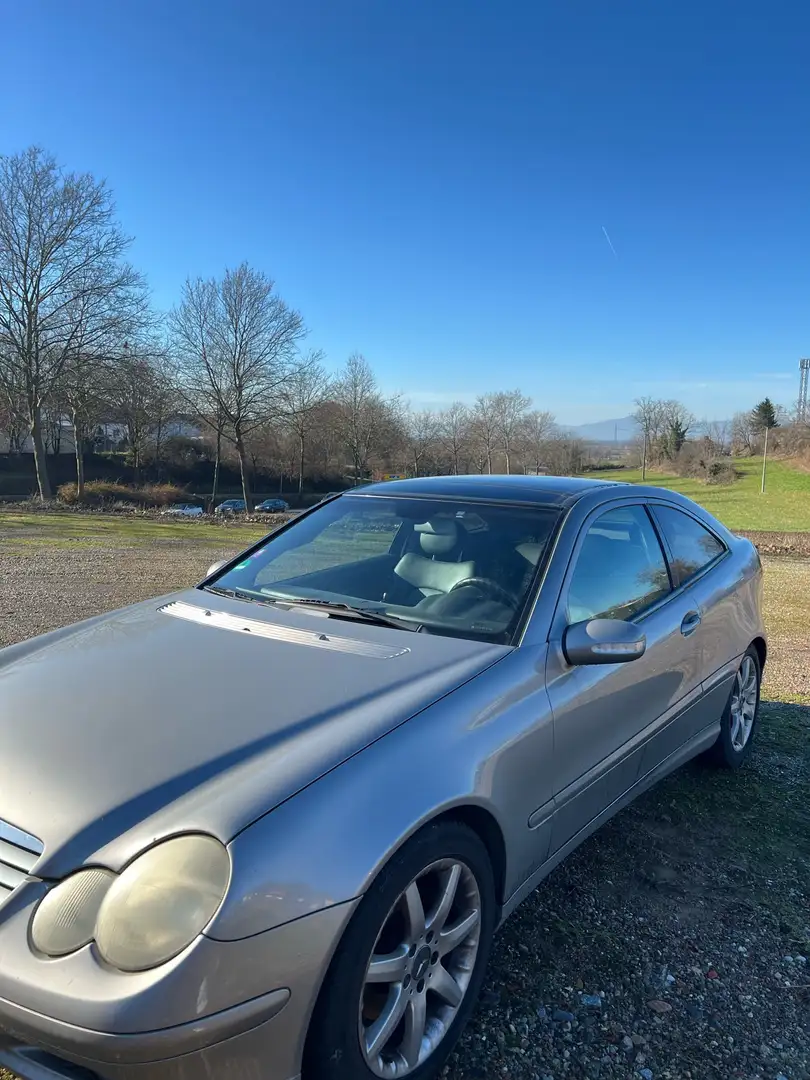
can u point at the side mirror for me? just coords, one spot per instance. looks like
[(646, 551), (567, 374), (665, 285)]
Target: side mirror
[(215, 567), (603, 641)]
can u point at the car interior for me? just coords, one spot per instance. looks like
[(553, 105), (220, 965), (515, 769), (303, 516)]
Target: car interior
[(461, 567)]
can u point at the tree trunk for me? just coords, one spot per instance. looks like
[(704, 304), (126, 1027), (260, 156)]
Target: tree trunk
[(78, 447), (644, 459), (215, 485), (158, 437), (40, 458), (506, 455), (243, 471), (764, 462), (301, 466)]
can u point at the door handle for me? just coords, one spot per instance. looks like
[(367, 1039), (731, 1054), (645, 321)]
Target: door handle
[(690, 623)]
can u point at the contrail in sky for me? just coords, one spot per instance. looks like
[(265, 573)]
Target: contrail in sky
[(610, 242)]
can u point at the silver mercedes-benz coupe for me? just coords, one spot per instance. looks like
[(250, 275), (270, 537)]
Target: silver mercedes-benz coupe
[(470, 674)]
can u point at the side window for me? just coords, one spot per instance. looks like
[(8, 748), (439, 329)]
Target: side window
[(620, 568), (693, 546)]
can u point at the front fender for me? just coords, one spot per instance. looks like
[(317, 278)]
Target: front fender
[(489, 745)]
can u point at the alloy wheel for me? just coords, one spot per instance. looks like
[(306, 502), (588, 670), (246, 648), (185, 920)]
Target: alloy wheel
[(744, 704), (419, 969)]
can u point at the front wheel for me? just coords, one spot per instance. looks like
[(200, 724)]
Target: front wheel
[(739, 721), (405, 978)]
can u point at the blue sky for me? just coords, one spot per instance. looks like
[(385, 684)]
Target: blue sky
[(428, 181)]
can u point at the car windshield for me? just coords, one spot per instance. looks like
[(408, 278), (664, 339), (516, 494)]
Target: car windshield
[(457, 568)]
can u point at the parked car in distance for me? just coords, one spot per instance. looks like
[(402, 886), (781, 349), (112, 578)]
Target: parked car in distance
[(483, 670), (273, 506), (231, 506), (183, 510)]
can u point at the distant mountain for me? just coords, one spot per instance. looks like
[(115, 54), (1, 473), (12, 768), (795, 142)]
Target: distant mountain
[(622, 430), (625, 430)]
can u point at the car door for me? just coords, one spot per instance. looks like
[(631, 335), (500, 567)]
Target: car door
[(604, 714), (694, 552)]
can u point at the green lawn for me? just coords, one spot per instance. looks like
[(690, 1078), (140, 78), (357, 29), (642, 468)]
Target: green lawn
[(785, 506)]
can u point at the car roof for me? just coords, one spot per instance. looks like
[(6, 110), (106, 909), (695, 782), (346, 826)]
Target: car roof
[(539, 490)]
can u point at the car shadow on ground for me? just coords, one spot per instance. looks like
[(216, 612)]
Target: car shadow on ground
[(674, 940)]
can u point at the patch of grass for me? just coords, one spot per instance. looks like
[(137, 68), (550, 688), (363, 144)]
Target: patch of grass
[(50, 528), (785, 506)]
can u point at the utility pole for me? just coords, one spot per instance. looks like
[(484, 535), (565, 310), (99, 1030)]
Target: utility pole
[(803, 411), (764, 461)]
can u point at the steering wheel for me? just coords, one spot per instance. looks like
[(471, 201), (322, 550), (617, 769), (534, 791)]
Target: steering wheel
[(489, 588)]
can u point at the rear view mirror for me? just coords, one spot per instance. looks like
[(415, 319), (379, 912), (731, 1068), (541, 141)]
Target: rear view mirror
[(603, 641), (215, 567)]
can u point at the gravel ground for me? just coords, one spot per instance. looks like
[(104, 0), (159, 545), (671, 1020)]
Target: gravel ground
[(673, 944)]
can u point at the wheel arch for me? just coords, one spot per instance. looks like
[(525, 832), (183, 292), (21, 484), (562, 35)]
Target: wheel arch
[(761, 647), (488, 831)]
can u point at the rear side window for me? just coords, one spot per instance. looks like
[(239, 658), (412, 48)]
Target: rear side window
[(693, 547)]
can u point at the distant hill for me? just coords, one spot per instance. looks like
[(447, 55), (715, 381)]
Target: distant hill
[(622, 430)]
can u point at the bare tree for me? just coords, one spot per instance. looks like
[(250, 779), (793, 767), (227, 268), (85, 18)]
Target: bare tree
[(742, 434), (510, 409), (484, 429), (13, 414), (649, 414), (565, 454), (202, 376), (719, 435), (302, 394), (61, 275), (676, 422), (536, 429), (454, 432), (236, 342), (422, 434), (131, 391), (363, 415)]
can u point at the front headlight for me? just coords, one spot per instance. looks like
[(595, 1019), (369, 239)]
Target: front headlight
[(151, 912), (161, 902), (66, 919)]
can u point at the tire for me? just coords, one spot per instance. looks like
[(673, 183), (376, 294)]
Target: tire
[(734, 744), (351, 1008)]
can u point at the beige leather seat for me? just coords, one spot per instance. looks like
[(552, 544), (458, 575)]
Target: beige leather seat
[(430, 572)]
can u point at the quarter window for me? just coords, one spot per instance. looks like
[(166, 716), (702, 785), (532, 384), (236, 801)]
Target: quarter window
[(693, 547), (620, 568)]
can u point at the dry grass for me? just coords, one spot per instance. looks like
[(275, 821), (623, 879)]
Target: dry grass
[(787, 616)]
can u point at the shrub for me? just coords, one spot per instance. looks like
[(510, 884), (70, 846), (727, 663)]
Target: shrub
[(720, 471), (106, 493), (697, 459), (160, 494)]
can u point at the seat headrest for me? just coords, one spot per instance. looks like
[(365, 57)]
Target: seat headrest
[(437, 537)]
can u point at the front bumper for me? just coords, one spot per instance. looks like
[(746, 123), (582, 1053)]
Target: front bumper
[(237, 1010)]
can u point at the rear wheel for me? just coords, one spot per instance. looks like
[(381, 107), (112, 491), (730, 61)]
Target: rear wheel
[(739, 721), (406, 975)]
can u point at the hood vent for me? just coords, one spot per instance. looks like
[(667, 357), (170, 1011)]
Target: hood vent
[(19, 853), (223, 620)]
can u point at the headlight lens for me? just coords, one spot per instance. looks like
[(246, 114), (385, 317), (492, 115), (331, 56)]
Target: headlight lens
[(161, 902), (65, 920)]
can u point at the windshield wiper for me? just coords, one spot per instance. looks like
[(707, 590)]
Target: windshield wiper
[(234, 594), (345, 611)]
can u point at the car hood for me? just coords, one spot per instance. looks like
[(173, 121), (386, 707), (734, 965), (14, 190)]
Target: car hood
[(198, 712)]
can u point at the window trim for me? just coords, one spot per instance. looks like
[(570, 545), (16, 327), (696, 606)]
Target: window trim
[(668, 552), (559, 621)]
